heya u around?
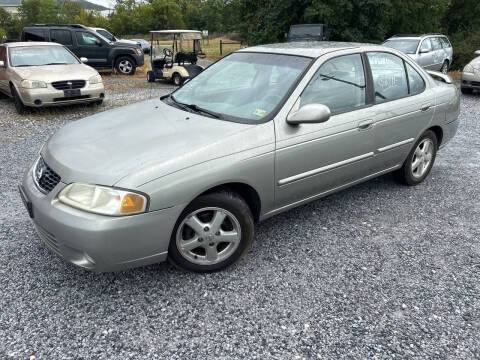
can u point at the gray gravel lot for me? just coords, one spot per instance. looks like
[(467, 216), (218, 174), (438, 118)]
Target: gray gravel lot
[(379, 271)]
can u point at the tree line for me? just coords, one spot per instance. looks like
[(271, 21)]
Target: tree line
[(265, 21)]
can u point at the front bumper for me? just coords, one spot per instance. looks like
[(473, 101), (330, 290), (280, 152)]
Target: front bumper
[(471, 80), (50, 96), (96, 242), (139, 59)]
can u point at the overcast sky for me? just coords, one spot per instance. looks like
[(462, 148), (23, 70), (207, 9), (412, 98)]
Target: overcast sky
[(108, 3)]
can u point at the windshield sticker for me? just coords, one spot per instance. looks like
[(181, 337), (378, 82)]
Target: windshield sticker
[(259, 112)]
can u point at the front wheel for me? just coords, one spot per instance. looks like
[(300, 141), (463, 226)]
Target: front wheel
[(125, 65), (420, 161), (213, 232), (177, 79), (150, 76)]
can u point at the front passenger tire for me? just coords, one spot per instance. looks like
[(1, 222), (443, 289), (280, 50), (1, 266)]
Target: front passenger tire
[(419, 162), (125, 65), (213, 232)]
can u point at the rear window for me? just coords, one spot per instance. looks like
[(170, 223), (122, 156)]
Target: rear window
[(408, 46), (34, 34)]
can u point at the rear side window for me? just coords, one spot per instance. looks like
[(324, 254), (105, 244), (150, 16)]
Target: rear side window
[(445, 42), (63, 37), (389, 78), (85, 38), (415, 81), (34, 34), (436, 43), (339, 84)]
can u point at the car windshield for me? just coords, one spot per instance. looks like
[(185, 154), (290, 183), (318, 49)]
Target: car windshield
[(40, 55), (302, 31), (406, 46), (243, 87)]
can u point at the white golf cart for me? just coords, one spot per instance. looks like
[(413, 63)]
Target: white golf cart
[(169, 61)]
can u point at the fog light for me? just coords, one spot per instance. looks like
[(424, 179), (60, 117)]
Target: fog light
[(38, 102)]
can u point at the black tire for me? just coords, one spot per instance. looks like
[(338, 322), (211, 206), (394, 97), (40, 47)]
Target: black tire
[(444, 68), (99, 102), (150, 76), (405, 175), (224, 200), (17, 101), (125, 65), (466, 91), (177, 79)]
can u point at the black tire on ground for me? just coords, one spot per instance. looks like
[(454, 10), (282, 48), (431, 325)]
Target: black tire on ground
[(405, 175), (125, 65), (466, 90), (17, 101), (224, 200), (177, 79), (444, 68), (99, 102), (150, 76)]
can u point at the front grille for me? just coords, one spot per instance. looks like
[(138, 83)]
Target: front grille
[(475, 83), (45, 177), (48, 238), (69, 84)]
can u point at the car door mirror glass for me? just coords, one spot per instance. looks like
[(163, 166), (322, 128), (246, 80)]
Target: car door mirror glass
[(84, 60), (98, 43), (309, 114)]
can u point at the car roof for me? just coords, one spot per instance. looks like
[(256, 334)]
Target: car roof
[(31, 43), (416, 36), (311, 48)]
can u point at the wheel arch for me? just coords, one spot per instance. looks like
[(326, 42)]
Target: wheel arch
[(438, 132)]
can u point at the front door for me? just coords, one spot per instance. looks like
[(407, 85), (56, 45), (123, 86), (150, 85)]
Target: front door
[(403, 108), (93, 48), (425, 54), (312, 159)]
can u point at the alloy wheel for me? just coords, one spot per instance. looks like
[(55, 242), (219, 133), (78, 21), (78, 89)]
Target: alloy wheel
[(422, 158), (125, 66), (208, 236)]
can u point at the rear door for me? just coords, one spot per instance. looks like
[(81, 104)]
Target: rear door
[(438, 53), (63, 37), (404, 106)]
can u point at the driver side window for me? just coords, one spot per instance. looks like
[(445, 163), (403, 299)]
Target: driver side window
[(339, 84), (85, 38)]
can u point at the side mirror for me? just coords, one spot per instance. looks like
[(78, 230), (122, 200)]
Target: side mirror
[(2, 63), (98, 43), (440, 76), (84, 60), (424, 51), (477, 52), (309, 114)]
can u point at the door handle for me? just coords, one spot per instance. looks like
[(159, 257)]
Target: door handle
[(365, 125), (426, 107)]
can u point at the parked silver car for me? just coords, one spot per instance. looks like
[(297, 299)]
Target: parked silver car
[(432, 51), (259, 132), (37, 74), (471, 75)]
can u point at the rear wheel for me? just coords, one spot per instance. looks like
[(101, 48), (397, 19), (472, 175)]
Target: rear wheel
[(177, 79), (213, 232), (419, 162), (125, 65), (17, 101), (150, 76), (444, 68), (466, 90)]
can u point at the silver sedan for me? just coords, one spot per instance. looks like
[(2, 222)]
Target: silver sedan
[(471, 75), (263, 130)]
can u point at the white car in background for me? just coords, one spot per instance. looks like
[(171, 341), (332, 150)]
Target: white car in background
[(471, 75)]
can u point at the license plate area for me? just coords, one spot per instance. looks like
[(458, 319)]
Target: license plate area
[(26, 201), (71, 93)]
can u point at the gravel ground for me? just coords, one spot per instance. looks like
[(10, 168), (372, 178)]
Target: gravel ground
[(379, 271)]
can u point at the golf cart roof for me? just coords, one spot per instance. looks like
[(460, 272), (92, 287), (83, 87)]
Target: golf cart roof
[(185, 34)]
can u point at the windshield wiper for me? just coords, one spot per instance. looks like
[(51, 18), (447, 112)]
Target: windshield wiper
[(196, 108), (56, 63)]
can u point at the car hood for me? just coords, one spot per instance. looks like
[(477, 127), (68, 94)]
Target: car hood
[(148, 139), (476, 62), (51, 73)]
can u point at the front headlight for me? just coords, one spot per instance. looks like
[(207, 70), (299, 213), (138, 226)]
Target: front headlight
[(103, 200), (468, 68), (138, 51), (33, 84), (96, 79)]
